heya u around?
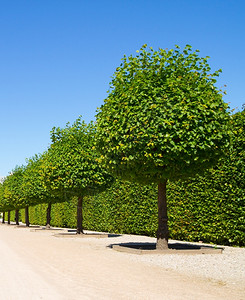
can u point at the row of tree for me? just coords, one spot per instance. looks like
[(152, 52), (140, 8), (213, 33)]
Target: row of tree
[(163, 119), (68, 168)]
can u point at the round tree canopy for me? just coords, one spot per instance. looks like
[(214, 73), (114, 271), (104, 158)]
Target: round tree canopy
[(163, 117), (11, 195), (70, 167), (34, 190)]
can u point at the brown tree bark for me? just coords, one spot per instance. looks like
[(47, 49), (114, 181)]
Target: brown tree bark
[(48, 216), (27, 216), (3, 219), (162, 231), (17, 216), (8, 216), (80, 215)]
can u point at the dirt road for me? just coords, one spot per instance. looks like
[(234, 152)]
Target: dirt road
[(37, 265)]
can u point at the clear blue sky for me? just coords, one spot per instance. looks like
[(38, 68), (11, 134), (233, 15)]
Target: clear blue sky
[(57, 57)]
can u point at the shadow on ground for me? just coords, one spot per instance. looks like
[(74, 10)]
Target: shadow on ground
[(24, 226), (174, 248), (73, 233), (46, 229)]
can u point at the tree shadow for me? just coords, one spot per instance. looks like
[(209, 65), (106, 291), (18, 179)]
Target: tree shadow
[(24, 226), (144, 247), (73, 233), (47, 229)]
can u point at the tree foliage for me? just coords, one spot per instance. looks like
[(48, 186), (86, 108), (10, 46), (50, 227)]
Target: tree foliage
[(163, 118), (69, 167), (11, 194), (24, 187), (34, 189)]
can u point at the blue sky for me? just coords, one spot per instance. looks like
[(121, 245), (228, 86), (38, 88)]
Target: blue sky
[(57, 57)]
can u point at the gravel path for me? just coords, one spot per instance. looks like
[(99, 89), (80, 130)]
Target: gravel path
[(226, 268), (38, 265)]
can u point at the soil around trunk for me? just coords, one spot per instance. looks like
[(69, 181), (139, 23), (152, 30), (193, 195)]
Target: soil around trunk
[(173, 249)]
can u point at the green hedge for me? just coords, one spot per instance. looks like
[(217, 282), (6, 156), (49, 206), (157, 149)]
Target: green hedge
[(210, 208), (198, 210)]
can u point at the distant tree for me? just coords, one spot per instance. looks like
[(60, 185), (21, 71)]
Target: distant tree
[(70, 166), (2, 202), (34, 190), (11, 195), (23, 187), (163, 120)]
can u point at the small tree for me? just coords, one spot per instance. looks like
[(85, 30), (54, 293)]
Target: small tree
[(163, 119), (70, 167), (11, 196), (3, 207), (24, 187), (34, 190)]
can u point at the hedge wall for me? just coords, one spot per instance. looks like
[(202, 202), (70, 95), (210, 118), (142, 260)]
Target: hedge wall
[(210, 208), (198, 210)]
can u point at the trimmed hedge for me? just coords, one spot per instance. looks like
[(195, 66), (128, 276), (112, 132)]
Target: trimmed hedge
[(198, 211), (209, 208)]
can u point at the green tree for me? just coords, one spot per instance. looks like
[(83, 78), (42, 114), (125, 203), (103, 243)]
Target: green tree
[(4, 207), (70, 167), (34, 190), (11, 195), (24, 187), (163, 119)]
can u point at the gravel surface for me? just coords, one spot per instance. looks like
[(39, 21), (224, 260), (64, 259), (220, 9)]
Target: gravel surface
[(226, 268), (38, 265)]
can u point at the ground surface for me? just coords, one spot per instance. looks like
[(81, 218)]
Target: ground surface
[(37, 265)]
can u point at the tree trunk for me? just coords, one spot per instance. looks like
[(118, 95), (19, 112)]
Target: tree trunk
[(17, 216), (27, 216), (3, 220), (48, 216), (8, 216), (80, 215), (162, 231)]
